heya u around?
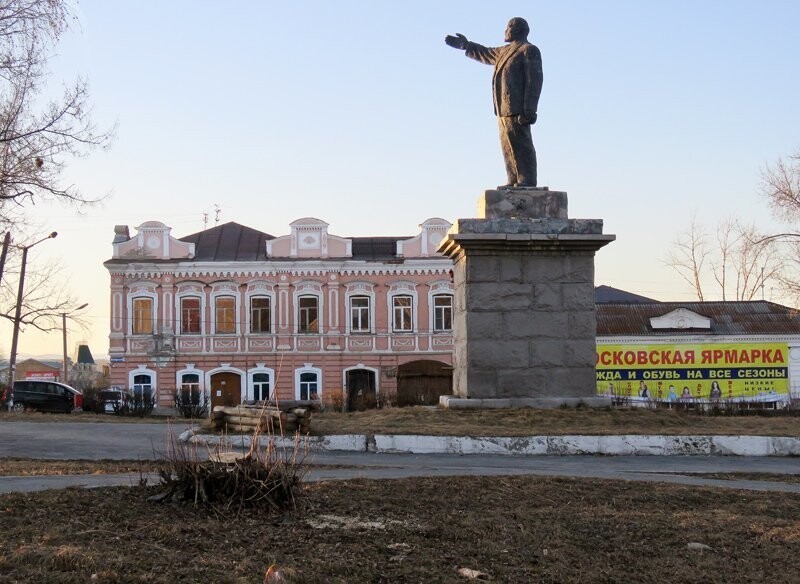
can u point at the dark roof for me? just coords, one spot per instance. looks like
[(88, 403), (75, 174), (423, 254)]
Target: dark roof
[(85, 355), (604, 294), (727, 318), (229, 242), (375, 248)]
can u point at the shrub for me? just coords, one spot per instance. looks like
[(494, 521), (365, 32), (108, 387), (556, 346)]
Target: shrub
[(264, 477), (139, 405), (191, 403)]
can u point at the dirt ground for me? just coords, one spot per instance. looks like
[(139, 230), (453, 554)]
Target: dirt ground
[(514, 529), (529, 422), (29, 467)]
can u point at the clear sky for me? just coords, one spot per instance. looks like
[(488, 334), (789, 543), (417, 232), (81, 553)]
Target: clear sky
[(357, 113)]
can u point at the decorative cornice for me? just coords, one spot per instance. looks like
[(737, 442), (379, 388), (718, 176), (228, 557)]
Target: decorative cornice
[(296, 269)]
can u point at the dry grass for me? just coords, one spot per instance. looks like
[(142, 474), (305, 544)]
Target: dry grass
[(46, 417), (530, 422), (515, 529), (29, 467)]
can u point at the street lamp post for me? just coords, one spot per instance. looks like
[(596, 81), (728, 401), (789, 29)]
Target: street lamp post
[(12, 362), (64, 332)]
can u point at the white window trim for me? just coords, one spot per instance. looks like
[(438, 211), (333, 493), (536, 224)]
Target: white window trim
[(360, 289), (309, 289), (236, 311), (191, 370), (402, 289), (142, 293), (260, 293), (179, 314), (142, 370), (442, 288), (247, 391), (307, 368)]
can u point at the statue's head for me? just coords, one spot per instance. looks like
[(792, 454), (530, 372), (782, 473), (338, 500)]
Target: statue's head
[(517, 30)]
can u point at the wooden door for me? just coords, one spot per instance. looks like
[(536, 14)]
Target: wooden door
[(226, 389)]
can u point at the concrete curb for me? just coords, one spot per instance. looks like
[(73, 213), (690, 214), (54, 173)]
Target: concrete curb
[(618, 445)]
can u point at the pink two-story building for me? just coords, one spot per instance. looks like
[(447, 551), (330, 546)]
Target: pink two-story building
[(242, 315)]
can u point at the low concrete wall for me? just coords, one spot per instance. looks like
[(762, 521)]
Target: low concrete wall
[(618, 445)]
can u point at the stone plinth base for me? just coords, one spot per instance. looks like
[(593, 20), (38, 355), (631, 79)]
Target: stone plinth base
[(524, 312), (543, 403), (530, 203)]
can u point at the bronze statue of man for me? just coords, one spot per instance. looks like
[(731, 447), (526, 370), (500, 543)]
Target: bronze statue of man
[(517, 84)]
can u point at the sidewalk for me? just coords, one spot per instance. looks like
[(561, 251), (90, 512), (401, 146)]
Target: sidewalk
[(616, 445)]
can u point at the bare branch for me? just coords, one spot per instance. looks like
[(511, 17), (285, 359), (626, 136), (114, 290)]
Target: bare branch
[(689, 255)]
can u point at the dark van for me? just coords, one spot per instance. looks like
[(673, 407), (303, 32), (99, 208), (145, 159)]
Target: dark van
[(46, 396)]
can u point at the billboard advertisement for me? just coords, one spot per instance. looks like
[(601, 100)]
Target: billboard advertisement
[(694, 371)]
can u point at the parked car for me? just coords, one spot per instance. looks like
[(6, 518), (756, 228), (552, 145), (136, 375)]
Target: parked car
[(46, 396), (113, 399)]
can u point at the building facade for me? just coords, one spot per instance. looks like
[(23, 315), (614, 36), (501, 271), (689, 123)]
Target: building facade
[(697, 352), (241, 315)]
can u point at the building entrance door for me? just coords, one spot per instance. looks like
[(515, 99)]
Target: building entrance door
[(361, 389), (226, 389)]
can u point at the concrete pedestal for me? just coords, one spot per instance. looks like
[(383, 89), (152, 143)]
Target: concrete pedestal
[(524, 311)]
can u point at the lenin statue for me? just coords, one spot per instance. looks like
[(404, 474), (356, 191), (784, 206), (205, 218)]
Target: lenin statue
[(517, 84)]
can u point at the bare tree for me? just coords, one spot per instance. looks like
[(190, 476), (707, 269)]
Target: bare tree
[(689, 254), (35, 139), (45, 298), (780, 184), (740, 264)]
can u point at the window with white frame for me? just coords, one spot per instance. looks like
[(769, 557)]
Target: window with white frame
[(261, 385), (143, 387), (442, 313), (190, 388), (260, 314), (224, 315), (402, 313), (142, 316), (190, 315), (308, 387), (359, 314), (308, 314)]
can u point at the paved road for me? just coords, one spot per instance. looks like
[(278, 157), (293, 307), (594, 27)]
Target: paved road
[(144, 441)]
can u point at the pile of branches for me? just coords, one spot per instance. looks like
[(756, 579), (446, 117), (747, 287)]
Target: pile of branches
[(226, 482)]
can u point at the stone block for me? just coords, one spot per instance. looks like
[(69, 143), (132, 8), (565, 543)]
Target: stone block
[(548, 353), (523, 203), (583, 324), (502, 225), (574, 381), (579, 352), (558, 267), (484, 325), (534, 325), (501, 296), (482, 268), (578, 296), (530, 382), (481, 383), (510, 268), (547, 296), (498, 354)]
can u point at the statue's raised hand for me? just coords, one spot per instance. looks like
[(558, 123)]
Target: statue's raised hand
[(457, 42)]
